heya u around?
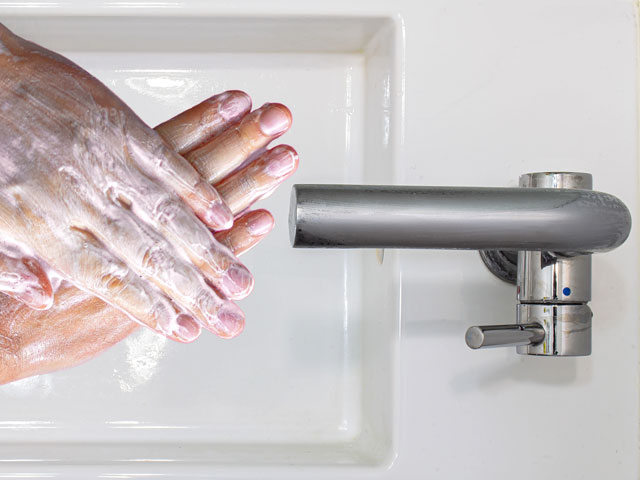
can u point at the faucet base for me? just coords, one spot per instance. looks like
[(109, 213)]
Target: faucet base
[(503, 265)]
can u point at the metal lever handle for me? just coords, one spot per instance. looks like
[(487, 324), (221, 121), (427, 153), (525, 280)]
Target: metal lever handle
[(514, 335)]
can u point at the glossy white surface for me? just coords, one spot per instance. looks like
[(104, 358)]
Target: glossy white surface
[(491, 90)]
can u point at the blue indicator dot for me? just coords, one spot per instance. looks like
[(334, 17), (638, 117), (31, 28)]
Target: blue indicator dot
[(566, 291)]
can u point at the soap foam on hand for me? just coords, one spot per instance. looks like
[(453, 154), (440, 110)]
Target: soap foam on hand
[(80, 325)]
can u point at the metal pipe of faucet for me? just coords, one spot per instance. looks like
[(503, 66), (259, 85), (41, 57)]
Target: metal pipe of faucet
[(543, 219), (488, 336)]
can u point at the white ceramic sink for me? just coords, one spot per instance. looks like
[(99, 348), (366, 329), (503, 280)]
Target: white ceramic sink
[(314, 387), (311, 380)]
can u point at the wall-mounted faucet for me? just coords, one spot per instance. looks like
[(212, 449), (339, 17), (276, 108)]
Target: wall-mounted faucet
[(539, 236)]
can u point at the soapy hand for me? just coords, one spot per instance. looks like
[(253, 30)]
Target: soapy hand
[(88, 188), (79, 326)]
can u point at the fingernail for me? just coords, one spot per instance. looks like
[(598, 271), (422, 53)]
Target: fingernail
[(232, 319), (36, 298), (281, 161), (219, 216), (237, 280), (188, 328), (260, 224), (274, 119), (235, 105)]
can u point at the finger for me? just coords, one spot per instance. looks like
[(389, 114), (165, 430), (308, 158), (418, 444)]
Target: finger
[(152, 257), (195, 126), (247, 231), (174, 221), (24, 279), (94, 268), (165, 166), (227, 151), (258, 179)]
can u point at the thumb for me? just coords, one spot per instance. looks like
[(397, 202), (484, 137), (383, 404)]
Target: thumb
[(23, 278)]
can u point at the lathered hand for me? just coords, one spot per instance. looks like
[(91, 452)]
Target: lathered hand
[(79, 326), (87, 187)]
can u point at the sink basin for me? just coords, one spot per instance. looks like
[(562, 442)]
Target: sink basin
[(312, 380)]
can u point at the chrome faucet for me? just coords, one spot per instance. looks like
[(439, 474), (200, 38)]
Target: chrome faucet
[(539, 236)]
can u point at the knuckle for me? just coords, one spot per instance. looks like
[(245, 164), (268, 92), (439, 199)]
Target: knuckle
[(205, 301), (152, 257), (156, 148), (209, 117), (243, 141), (227, 240), (119, 197), (114, 220), (156, 261), (241, 189), (160, 315), (167, 162), (80, 240), (114, 282), (167, 210), (150, 153), (248, 183)]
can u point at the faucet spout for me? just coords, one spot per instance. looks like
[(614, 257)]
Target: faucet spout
[(510, 219), (554, 221)]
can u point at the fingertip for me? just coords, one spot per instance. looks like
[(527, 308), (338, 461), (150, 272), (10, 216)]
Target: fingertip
[(281, 162), (285, 110), (35, 298), (241, 95), (236, 104), (232, 319), (45, 304), (260, 223), (38, 296), (188, 329), (275, 119), (236, 332), (237, 282), (219, 216)]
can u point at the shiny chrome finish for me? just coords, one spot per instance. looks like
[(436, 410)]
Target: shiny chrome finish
[(553, 289), (360, 216), (489, 336), (539, 236), (574, 180), (502, 263), (567, 329), (547, 278)]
